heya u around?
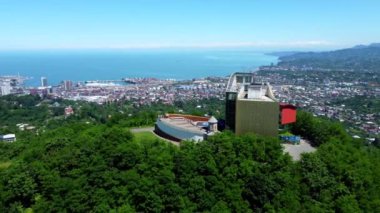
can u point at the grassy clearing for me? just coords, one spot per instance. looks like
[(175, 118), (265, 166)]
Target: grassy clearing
[(150, 136), (5, 165), (145, 136)]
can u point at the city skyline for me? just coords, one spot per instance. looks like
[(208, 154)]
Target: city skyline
[(151, 24)]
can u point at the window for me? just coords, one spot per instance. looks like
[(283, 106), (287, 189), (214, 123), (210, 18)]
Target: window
[(231, 96), (239, 79)]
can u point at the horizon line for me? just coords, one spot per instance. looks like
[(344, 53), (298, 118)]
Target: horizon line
[(315, 44)]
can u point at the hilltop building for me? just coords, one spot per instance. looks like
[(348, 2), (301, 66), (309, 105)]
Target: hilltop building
[(178, 127), (252, 108), (288, 113)]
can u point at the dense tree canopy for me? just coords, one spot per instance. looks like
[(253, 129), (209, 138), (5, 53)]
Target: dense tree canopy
[(94, 167), (45, 114)]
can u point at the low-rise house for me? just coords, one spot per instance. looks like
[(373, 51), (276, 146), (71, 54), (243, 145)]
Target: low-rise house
[(8, 138), (69, 111)]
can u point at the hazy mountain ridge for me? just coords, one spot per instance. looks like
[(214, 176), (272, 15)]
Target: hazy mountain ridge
[(284, 53), (359, 58)]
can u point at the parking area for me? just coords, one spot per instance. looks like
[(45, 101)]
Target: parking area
[(296, 150)]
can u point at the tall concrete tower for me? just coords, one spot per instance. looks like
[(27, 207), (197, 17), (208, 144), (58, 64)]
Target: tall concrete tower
[(44, 82), (68, 85), (251, 107)]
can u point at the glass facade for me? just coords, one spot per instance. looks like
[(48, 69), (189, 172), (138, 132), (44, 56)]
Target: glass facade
[(230, 110)]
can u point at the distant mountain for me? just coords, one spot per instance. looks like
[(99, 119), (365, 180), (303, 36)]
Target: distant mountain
[(361, 46), (375, 45), (283, 53), (358, 58)]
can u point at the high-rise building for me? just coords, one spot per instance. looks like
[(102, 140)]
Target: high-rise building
[(5, 90), (252, 108), (44, 82), (5, 87), (68, 85)]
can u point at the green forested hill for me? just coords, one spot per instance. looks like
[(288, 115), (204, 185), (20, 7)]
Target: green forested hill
[(360, 58), (47, 114), (103, 167)]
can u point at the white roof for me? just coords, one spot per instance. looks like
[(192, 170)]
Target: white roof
[(8, 136), (182, 123), (212, 120)]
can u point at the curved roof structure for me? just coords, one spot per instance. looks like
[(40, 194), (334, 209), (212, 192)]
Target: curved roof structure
[(185, 127)]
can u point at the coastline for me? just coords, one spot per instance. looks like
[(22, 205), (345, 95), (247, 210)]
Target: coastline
[(83, 66)]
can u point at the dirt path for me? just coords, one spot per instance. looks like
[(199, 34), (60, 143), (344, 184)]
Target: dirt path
[(142, 129)]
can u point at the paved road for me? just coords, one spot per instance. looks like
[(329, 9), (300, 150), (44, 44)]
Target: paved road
[(296, 150), (143, 129)]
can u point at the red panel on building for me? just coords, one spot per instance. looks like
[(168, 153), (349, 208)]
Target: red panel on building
[(288, 113)]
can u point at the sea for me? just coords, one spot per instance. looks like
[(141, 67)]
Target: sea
[(82, 65)]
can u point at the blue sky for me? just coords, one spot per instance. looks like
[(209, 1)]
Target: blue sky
[(269, 24)]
